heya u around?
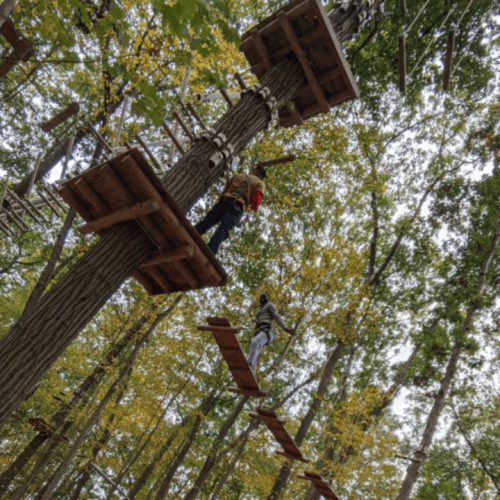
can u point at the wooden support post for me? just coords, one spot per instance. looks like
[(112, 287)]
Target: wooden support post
[(148, 151), (261, 47), (277, 161), (123, 215), (184, 126), (70, 110), (100, 138), (226, 97), (172, 136), (179, 253), (402, 63), (449, 59), (240, 81), (159, 278), (195, 114)]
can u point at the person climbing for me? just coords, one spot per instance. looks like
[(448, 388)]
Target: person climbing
[(264, 332), (238, 196)]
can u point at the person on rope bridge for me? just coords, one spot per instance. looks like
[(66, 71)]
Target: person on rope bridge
[(240, 194), (264, 331)]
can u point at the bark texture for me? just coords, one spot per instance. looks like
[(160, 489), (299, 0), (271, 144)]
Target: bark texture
[(35, 343)]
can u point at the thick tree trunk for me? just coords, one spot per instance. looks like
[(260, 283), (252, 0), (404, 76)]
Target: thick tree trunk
[(206, 407), (81, 392), (34, 344), (413, 469), (211, 460), (95, 416)]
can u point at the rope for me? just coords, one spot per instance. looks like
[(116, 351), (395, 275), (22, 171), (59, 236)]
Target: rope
[(418, 15), (431, 42)]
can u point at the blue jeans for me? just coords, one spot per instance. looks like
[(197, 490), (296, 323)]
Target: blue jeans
[(228, 212)]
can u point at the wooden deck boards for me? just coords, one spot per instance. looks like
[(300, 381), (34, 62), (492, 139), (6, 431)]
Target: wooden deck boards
[(302, 27), (320, 484), (127, 186), (277, 427), (225, 336)]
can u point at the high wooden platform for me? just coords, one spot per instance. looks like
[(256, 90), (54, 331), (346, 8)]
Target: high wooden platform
[(302, 27), (126, 188), (320, 484), (277, 427), (231, 350)]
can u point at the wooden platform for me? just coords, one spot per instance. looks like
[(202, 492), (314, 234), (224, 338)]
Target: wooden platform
[(320, 484), (225, 336), (126, 188), (277, 427), (302, 27)]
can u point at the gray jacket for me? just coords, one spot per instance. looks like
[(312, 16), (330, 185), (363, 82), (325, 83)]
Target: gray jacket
[(267, 314)]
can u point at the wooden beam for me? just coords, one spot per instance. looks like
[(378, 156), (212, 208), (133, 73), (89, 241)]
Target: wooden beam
[(449, 59), (159, 278), (148, 151), (54, 197), (172, 136), (226, 97), (293, 457), (49, 204), (125, 214), (70, 110), (195, 114), (277, 161), (261, 47), (263, 417), (180, 121), (187, 273), (23, 204), (211, 328), (163, 257), (402, 63), (240, 81), (85, 192)]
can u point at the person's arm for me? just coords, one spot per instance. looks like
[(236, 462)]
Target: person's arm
[(274, 313)]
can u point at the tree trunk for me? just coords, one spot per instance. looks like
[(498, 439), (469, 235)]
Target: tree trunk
[(413, 469), (33, 345), (205, 408), (81, 392), (95, 416), (51, 264), (6, 7), (211, 460)]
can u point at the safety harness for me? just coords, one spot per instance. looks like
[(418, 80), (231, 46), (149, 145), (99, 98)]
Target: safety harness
[(263, 327), (240, 191)]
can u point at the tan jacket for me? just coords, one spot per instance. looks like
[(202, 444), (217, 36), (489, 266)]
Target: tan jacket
[(234, 183)]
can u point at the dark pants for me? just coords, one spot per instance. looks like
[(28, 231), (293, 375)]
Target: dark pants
[(228, 212)]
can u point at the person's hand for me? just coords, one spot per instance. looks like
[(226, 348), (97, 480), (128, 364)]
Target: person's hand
[(291, 331)]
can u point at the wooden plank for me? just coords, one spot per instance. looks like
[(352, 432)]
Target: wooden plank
[(125, 214), (449, 58), (226, 97), (159, 278), (261, 47), (73, 200), (195, 114), (320, 484), (148, 151), (240, 81), (216, 321), (49, 204), (16, 220), (277, 161), (218, 329), (25, 206), (308, 38), (177, 254), (70, 110), (402, 63), (180, 121), (35, 209), (172, 136), (187, 274), (85, 192), (144, 281)]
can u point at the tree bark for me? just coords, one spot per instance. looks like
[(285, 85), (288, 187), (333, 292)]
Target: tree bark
[(413, 469), (33, 345), (95, 416), (6, 7), (51, 264), (205, 408), (81, 392)]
